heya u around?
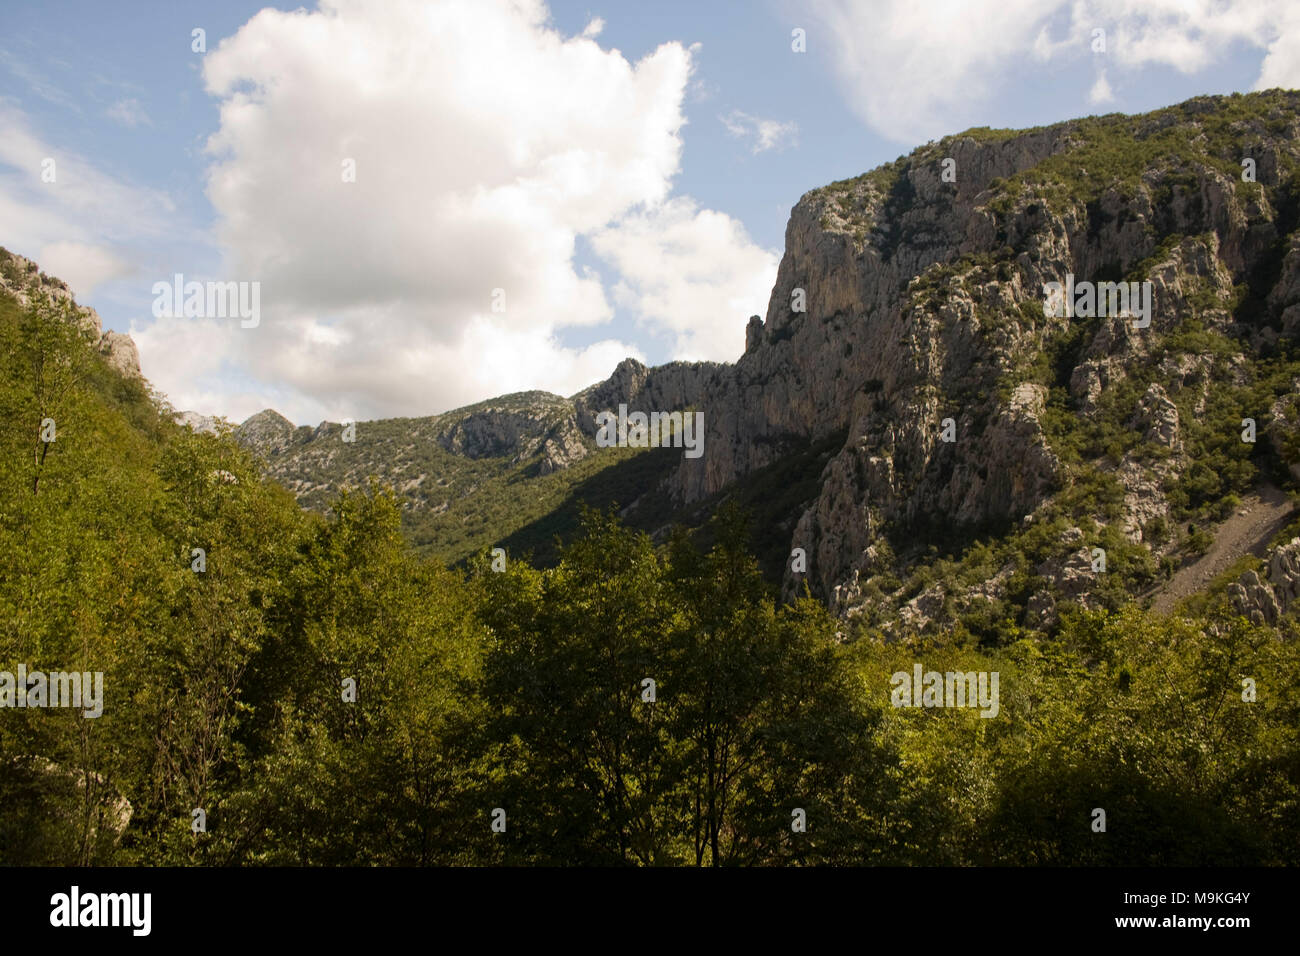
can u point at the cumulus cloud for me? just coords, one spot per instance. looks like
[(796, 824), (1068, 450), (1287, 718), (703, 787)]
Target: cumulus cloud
[(82, 265), (917, 71), (484, 143), (691, 273), (763, 134)]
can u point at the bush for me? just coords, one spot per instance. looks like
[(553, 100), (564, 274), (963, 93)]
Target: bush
[(1199, 542)]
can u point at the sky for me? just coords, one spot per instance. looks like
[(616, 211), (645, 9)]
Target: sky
[(440, 202)]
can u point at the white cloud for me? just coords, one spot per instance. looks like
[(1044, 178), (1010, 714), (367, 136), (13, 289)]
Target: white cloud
[(1101, 91), (82, 265), (918, 71), (691, 272), (594, 28), (86, 227), (764, 134), (485, 144), (213, 365), (1281, 67), (129, 112)]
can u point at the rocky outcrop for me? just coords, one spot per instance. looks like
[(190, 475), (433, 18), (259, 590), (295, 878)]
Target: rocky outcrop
[(1283, 429), (1284, 297), (121, 353), (1284, 575), (905, 304), (23, 279), (562, 448), (203, 424), (1265, 601), (515, 427), (1157, 419), (664, 388), (268, 433)]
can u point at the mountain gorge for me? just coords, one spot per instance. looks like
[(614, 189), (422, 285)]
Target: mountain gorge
[(917, 466), (907, 411)]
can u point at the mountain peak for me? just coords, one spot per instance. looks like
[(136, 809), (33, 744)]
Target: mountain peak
[(266, 432)]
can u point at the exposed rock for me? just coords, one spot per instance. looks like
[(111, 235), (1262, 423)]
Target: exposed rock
[(1264, 602), (203, 424), (562, 448), (121, 353), (917, 613), (1285, 294), (1284, 575), (1254, 599), (22, 278), (1157, 417), (664, 388), (267, 433), (900, 332), (1283, 428)]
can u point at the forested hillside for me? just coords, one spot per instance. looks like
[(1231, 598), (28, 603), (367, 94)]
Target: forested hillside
[(281, 687)]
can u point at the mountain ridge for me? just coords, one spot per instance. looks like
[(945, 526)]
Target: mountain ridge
[(904, 300), (980, 434)]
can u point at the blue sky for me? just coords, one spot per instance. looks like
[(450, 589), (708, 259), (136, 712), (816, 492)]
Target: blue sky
[(699, 133)]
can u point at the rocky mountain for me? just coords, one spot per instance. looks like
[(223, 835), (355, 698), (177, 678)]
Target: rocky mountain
[(906, 298), (23, 279), (929, 436), (204, 424), (913, 375), (464, 466)]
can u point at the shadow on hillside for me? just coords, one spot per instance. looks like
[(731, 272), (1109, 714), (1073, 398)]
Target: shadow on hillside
[(775, 496), (615, 486)]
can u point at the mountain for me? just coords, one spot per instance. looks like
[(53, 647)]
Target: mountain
[(497, 472), (924, 301), (265, 685), (23, 279), (909, 308)]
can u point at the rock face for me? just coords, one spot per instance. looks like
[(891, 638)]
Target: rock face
[(1283, 429), (1265, 601), (664, 388), (121, 353), (1157, 418), (268, 433), (906, 307), (23, 279), (516, 427), (204, 424), (1284, 575)]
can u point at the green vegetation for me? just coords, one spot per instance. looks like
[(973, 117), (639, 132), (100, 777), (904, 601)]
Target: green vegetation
[(525, 689)]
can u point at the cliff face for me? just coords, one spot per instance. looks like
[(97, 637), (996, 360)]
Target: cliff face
[(923, 301), (910, 316), (23, 279), (671, 387)]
